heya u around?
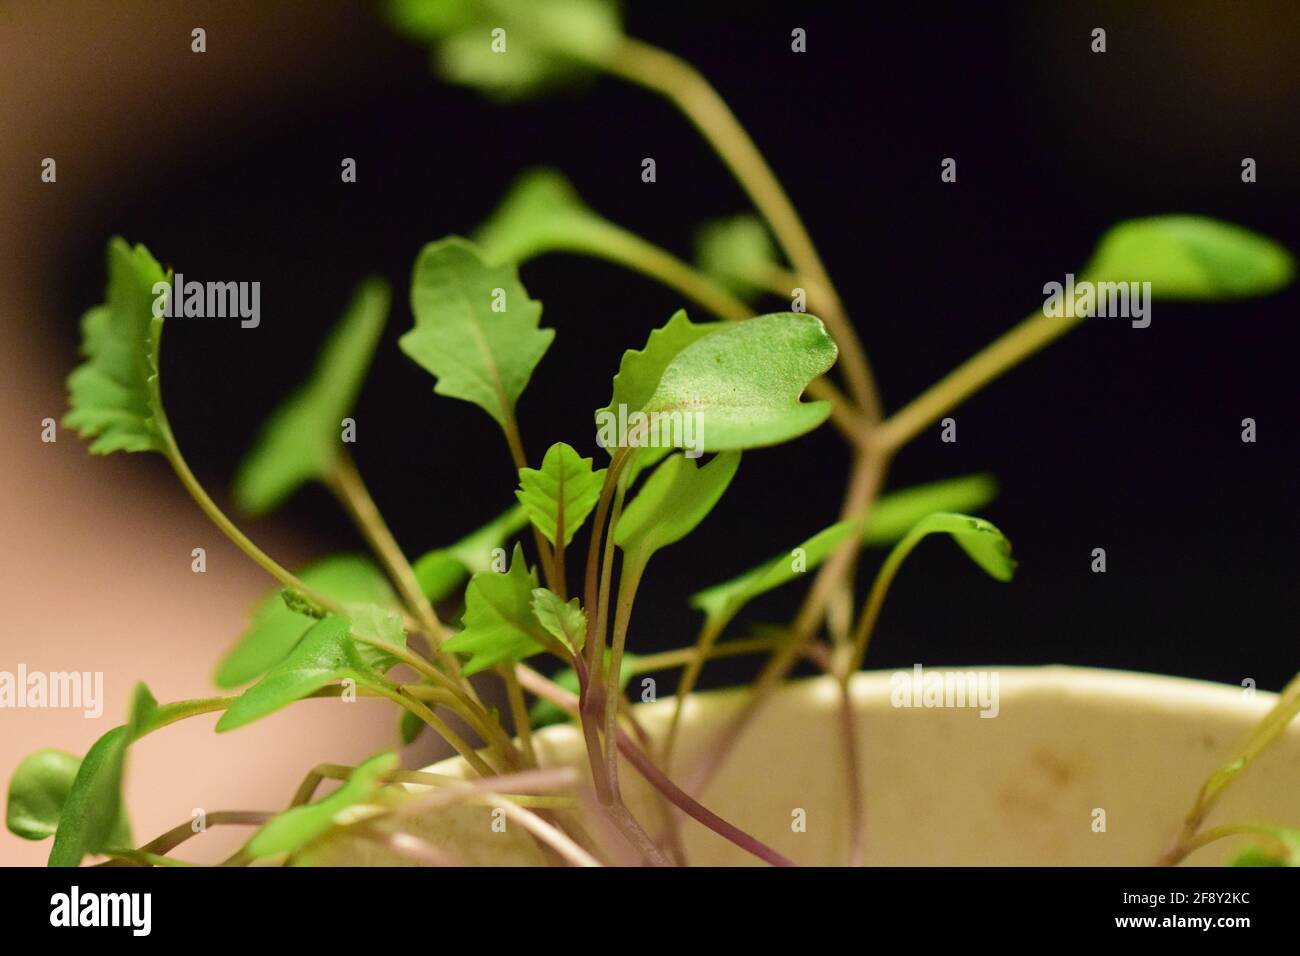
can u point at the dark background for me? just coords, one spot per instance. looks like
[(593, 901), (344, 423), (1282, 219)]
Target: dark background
[(1115, 437)]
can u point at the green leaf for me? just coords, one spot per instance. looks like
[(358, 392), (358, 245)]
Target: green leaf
[(443, 570), (113, 396), (544, 713), (350, 580), (542, 212), (640, 371), (638, 376), (93, 813), (737, 251), (673, 501), (39, 789), (301, 440), (568, 621), (983, 543), (743, 381), (548, 43), (295, 828), (1191, 257), (722, 602), (892, 517), (1285, 850), (326, 655), (477, 354), (565, 488), (409, 727), (897, 513), (499, 624)]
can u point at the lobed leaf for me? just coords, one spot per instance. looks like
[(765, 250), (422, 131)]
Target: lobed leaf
[(743, 381), (301, 440), (113, 396), (298, 826), (477, 354), (499, 623), (1191, 257), (565, 489)]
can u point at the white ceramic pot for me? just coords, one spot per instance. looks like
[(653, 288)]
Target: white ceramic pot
[(942, 786)]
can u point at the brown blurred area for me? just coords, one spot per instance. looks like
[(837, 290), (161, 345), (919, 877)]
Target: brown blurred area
[(95, 566)]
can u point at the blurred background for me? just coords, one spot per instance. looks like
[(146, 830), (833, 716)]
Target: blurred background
[(227, 164)]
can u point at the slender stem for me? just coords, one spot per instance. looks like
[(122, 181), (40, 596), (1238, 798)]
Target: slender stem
[(1032, 334), (682, 84), (231, 531), (178, 834), (347, 485), (683, 656), (516, 444), (518, 713), (868, 475), (606, 240), (552, 836), (1190, 845), (701, 652), (549, 690), (1257, 740), (857, 809), (442, 730), (629, 581)]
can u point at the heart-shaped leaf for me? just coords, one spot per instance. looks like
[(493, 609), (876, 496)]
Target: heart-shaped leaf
[(476, 329), (113, 396), (499, 623), (295, 828), (326, 655), (442, 570), (350, 580), (301, 440), (564, 489), (1191, 257), (743, 381)]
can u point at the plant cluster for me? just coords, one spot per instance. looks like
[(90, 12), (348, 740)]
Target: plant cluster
[(378, 626)]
